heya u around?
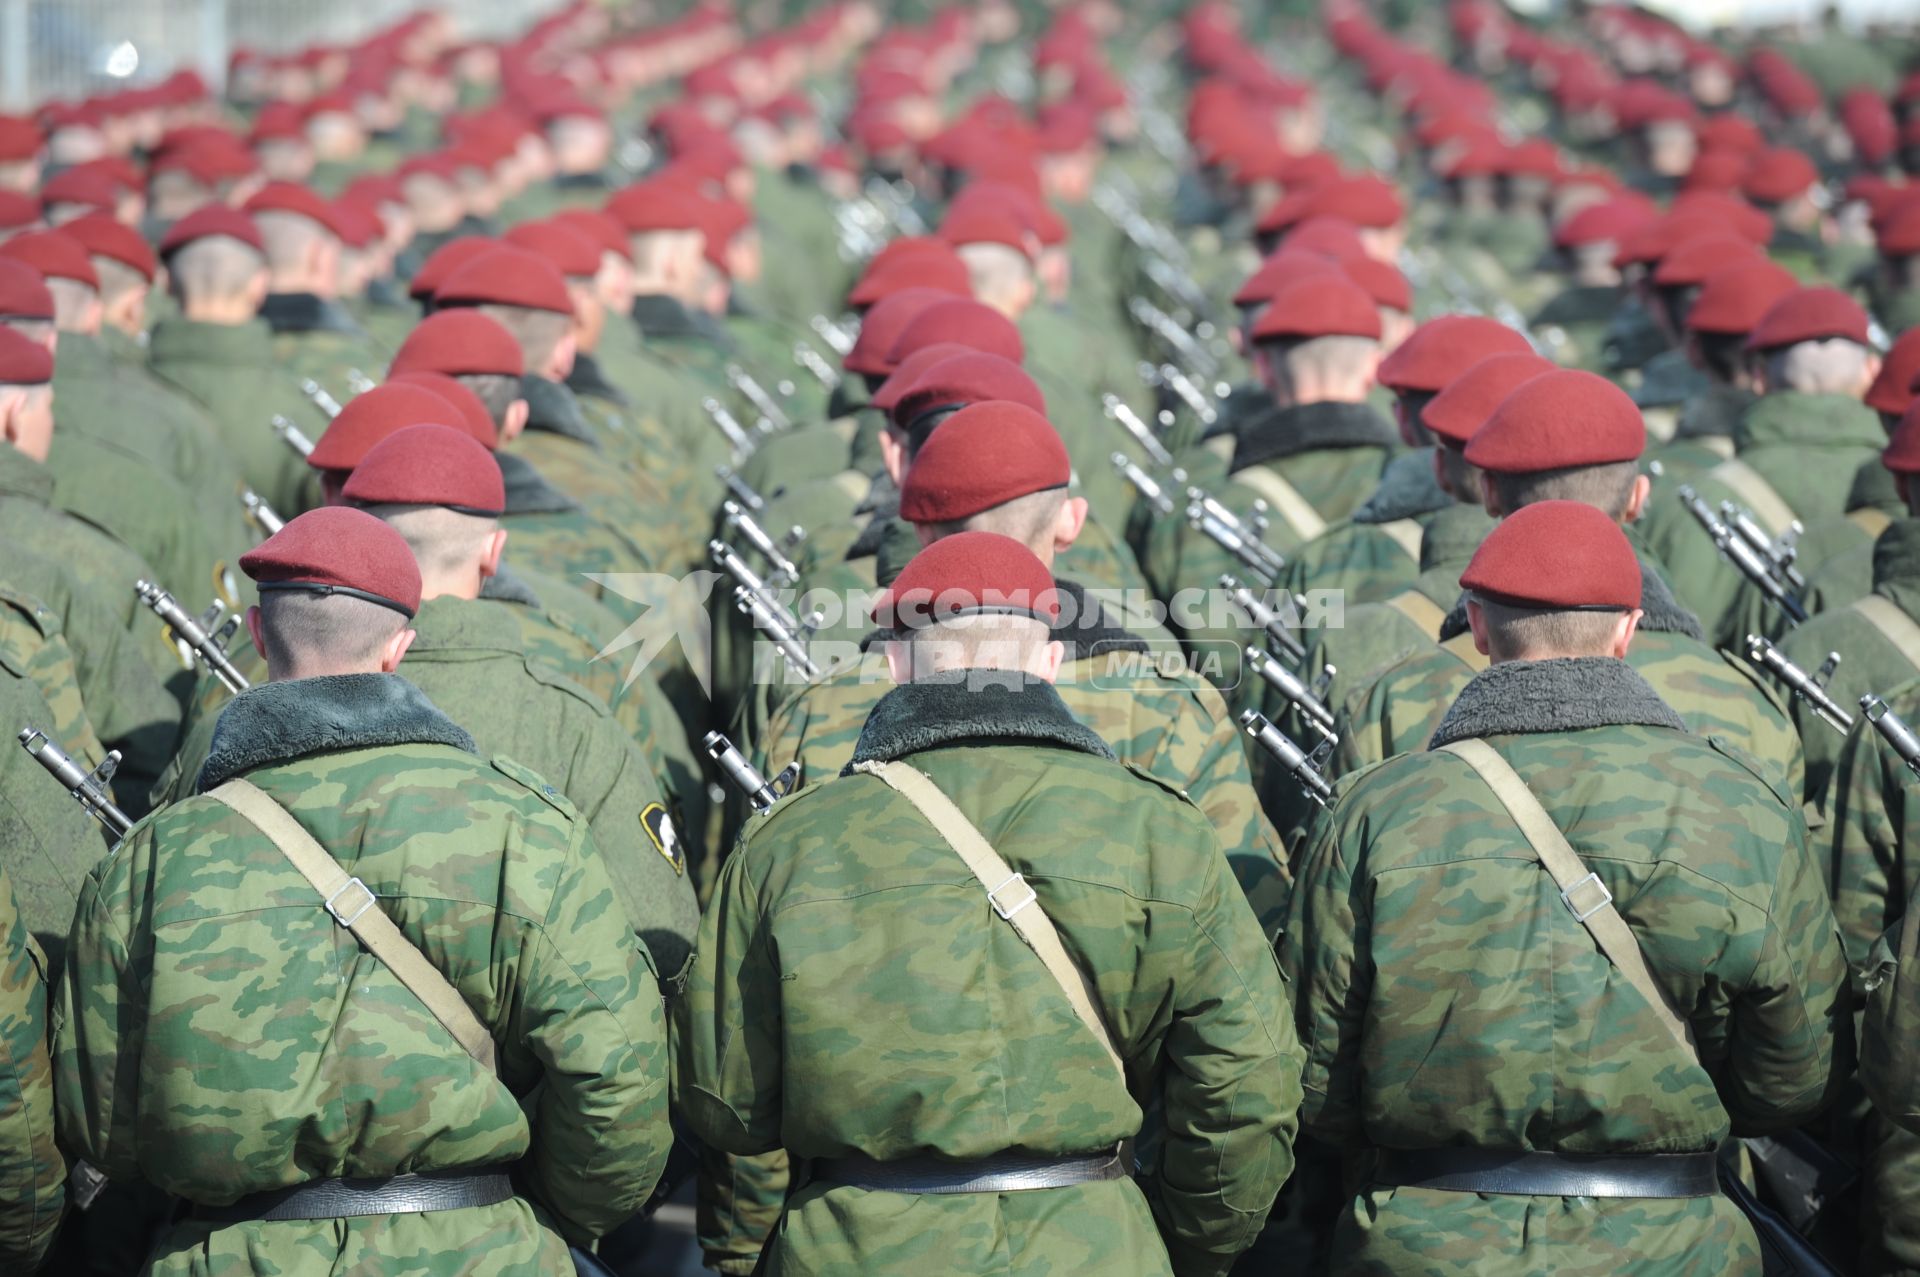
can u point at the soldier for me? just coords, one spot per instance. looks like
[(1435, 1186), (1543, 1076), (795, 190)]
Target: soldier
[(535, 985), (1467, 1030), (32, 1172), (314, 335), (977, 672)]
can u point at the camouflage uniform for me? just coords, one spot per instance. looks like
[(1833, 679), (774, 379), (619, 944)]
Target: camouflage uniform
[(204, 975), (1374, 554), (32, 1172), (1182, 977), (94, 558), (1447, 998), (318, 337)]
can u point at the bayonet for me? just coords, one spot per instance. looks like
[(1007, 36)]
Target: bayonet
[(755, 598), (736, 435), (1290, 685), (1754, 565), (261, 514), (204, 636), (89, 788), (772, 417), (1149, 489), (292, 435), (1272, 622), (1304, 768), (809, 358), (761, 793), (1140, 432), (325, 402), (1893, 729), (1810, 688), (742, 490), (758, 537)]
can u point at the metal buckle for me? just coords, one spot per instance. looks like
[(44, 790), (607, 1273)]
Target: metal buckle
[(1606, 897), (346, 920), (993, 897)]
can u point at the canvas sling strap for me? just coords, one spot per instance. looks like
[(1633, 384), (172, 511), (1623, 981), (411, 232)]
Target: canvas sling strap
[(1755, 493), (1421, 610), (1285, 500), (1894, 625), (1405, 533), (1870, 520), (1461, 648)]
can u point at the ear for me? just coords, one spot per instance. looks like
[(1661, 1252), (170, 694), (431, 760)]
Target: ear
[(1067, 525), (1637, 498), (396, 649), (564, 354), (490, 561), (258, 287), (253, 631), (1872, 371), (1623, 632), (516, 420), (893, 453), (1047, 661), (899, 660), (1477, 622)]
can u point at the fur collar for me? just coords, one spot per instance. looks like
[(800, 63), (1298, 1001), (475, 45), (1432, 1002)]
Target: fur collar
[(1407, 489), (588, 380), (882, 528), (1517, 698), (527, 491), (1896, 555), (1280, 433), (279, 722), (1713, 412), (306, 313), (895, 547), (1664, 614), (552, 407), (661, 316), (984, 707), (504, 587)]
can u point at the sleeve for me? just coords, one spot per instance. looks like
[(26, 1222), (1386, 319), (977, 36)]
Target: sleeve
[(32, 1174), (128, 704), (1862, 843), (99, 1021), (1222, 788), (1889, 1063), (1232, 1087), (589, 1019), (729, 1032), (1322, 952), (740, 1200)]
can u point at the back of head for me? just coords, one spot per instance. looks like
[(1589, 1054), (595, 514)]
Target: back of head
[(1562, 436), (996, 466), (337, 588), (975, 601), (1556, 580)]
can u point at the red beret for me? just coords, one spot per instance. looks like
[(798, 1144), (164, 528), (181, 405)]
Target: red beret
[(983, 456), (1609, 221), (1902, 454), (18, 210), (336, 549), (1279, 273), (1556, 556), (980, 225), (1733, 299), (882, 326), (20, 139), (293, 198), (967, 574), (445, 260), (506, 277), (429, 465), (1442, 348), (23, 292), (1899, 234), (474, 417), (969, 323), (1366, 200), (459, 343), (55, 254), (1333, 237), (1729, 132), (89, 186), (1716, 171), (942, 273), (107, 236), (1734, 213), (1464, 406), (969, 378), (1691, 261), (371, 416), (208, 221), (1810, 314), (1653, 240), (646, 207), (1557, 421), (23, 361), (1777, 174), (1892, 390), (1381, 281), (603, 229), (570, 252), (887, 395), (1319, 306)]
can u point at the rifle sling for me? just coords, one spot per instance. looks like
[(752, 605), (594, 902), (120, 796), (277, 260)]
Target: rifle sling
[(1756, 494), (1421, 610), (1285, 500), (1894, 625)]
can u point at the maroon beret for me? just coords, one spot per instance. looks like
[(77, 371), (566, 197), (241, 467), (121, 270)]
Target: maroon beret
[(23, 361), (570, 251), (968, 574), (371, 416), (651, 206), (1281, 271), (978, 224), (1777, 174), (1333, 237), (1691, 261), (1652, 241), (1892, 390), (459, 343), (1469, 399), (1319, 306), (1442, 348), (983, 456), (92, 187), (969, 378), (429, 465), (882, 326), (23, 292), (107, 236), (1556, 421), (338, 550), (1899, 234), (18, 210), (1609, 221), (298, 200), (474, 417), (968, 323), (940, 272), (889, 392), (1810, 314), (1732, 300), (1734, 213), (505, 276), (55, 254), (602, 228), (20, 138), (208, 221), (445, 260), (1556, 556), (1381, 281)]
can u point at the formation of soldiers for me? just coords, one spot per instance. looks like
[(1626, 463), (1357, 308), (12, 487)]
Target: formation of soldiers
[(1000, 638)]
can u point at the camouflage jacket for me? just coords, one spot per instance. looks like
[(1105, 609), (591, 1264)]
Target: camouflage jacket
[(560, 444), (552, 533), (318, 337), (204, 975), (843, 905), (1873, 890), (1375, 553), (32, 1172), (1448, 998)]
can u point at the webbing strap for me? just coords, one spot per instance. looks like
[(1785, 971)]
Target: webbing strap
[(1894, 625), (1755, 493), (1421, 610), (1405, 533), (1461, 647), (1285, 501)]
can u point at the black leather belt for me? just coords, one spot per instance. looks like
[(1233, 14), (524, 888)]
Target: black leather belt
[(1003, 1173), (388, 1195), (1506, 1171)]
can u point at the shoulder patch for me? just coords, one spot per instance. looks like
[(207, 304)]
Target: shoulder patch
[(1774, 785), (549, 792), (658, 824)]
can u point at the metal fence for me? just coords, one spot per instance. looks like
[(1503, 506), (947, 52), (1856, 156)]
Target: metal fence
[(71, 48)]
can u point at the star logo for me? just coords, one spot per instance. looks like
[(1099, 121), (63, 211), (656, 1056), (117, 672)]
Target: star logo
[(675, 608)]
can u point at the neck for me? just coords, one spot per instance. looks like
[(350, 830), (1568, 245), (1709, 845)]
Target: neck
[(307, 666), (230, 311), (453, 585)]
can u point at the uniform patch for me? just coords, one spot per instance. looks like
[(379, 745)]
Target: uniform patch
[(666, 839)]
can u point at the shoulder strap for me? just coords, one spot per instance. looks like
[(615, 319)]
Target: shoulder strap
[(1871, 520), (1007, 892), (1580, 888), (1461, 647), (1421, 610), (1406, 534), (1894, 625), (852, 484), (1756, 493), (358, 911), (1285, 500)]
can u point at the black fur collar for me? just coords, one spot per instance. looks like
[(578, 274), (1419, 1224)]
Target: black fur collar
[(1287, 432), (1664, 614), (504, 587), (1407, 489), (1896, 555), (588, 380), (883, 528), (527, 491), (1516, 698), (1451, 536), (661, 316), (978, 707), (306, 313), (552, 407), (279, 722)]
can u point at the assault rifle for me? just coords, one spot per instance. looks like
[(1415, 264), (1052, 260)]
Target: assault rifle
[(1290, 685), (745, 777), (205, 637), (1756, 565), (89, 788), (1811, 688), (762, 605), (1305, 768)]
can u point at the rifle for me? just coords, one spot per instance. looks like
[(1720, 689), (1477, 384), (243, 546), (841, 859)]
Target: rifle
[(260, 513), (1756, 567), (746, 777), (736, 434), (1811, 688), (89, 788), (1263, 616), (1779, 554), (1143, 483), (1168, 377), (358, 382), (809, 358), (772, 416), (1122, 414), (325, 402), (758, 537), (1176, 338), (769, 615), (1288, 684), (1236, 536), (291, 435), (1893, 729), (205, 636), (742, 490), (1296, 762), (834, 334)]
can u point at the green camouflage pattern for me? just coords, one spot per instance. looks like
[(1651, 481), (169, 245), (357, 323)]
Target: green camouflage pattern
[(769, 1042), (32, 1172), (329, 355), (1446, 997), (1836, 558), (204, 977), (33, 648)]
